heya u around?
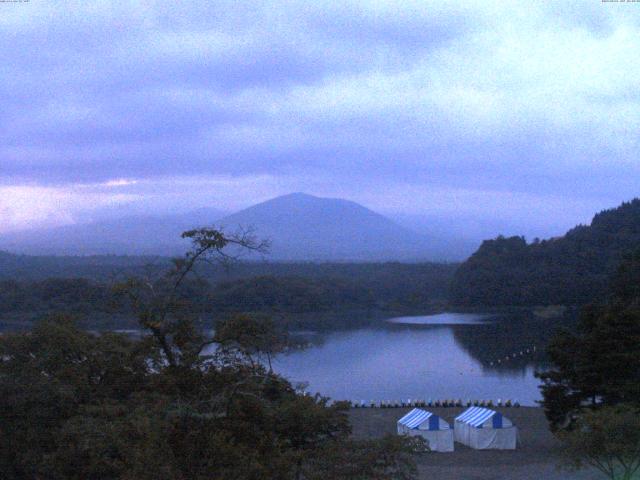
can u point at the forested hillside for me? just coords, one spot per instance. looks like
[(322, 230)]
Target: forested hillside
[(570, 270), (284, 290), (39, 267)]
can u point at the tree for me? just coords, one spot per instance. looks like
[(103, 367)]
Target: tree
[(626, 281), (79, 405), (607, 439), (570, 270), (255, 338), (48, 377), (161, 304), (600, 363), (591, 395)]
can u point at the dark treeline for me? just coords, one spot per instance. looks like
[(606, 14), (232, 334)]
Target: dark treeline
[(314, 289), (382, 285), (99, 267), (571, 270), (108, 267)]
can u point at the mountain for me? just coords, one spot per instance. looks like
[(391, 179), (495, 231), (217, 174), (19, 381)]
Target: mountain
[(303, 227), (574, 269), (300, 227), (133, 235)]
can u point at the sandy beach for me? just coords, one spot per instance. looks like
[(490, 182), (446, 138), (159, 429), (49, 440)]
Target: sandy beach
[(535, 458)]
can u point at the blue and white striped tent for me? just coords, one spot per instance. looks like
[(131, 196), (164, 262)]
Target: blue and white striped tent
[(483, 428), (436, 431)]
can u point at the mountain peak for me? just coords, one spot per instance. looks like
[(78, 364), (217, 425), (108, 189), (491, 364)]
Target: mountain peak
[(301, 197), (296, 195), (305, 227)]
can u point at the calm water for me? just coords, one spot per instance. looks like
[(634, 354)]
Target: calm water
[(444, 356), (430, 357), (443, 319)]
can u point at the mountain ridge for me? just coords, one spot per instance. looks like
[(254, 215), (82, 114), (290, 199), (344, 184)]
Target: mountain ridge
[(301, 227)]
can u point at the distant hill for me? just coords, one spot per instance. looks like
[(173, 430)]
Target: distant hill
[(570, 270), (133, 235), (302, 227)]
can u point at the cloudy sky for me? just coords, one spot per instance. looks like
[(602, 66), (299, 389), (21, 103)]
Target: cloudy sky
[(519, 115)]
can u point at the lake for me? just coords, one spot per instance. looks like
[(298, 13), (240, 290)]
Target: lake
[(445, 356)]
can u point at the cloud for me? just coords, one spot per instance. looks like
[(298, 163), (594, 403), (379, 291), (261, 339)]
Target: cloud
[(534, 100), (30, 206)]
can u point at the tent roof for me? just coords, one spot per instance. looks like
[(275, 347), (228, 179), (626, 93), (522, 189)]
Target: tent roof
[(415, 418), (475, 416)]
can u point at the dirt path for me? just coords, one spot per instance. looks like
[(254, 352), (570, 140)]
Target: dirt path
[(536, 456)]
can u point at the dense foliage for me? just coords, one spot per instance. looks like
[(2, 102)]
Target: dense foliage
[(592, 393), (78, 405), (390, 288), (102, 268), (99, 267), (607, 439), (55, 294), (569, 270), (599, 364)]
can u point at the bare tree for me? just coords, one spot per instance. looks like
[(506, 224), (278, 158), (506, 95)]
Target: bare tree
[(160, 305)]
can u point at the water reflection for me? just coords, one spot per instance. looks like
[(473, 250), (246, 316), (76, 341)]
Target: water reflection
[(512, 343), (443, 319), (437, 361)]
